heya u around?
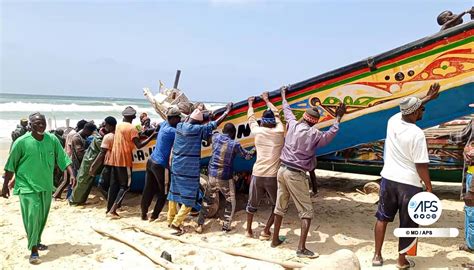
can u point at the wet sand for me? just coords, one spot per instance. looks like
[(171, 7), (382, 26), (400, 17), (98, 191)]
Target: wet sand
[(344, 218)]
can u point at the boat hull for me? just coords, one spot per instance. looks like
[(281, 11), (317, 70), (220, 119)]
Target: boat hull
[(372, 90)]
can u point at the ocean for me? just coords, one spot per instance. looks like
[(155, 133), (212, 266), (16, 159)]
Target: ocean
[(57, 109)]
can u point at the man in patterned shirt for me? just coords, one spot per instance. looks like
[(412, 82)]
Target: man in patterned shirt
[(224, 150)]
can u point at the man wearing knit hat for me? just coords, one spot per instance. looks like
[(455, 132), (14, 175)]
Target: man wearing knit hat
[(269, 138), (185, 173), (158, 165), (297, 158), (405, 168), (120, 160), (31, 160)]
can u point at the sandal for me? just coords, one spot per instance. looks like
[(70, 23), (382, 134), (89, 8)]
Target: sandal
[(42, 247), (34, 258), (410, 264), (306, 253), (377, 261), (178, 232), (264, 237), (464, 247)]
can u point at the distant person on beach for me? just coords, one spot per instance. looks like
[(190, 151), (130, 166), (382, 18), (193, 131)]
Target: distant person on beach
[(158, 165), (405, 167), (220, 171), (20, 130), (125, 140), (448, 19), (269, 140), (78, 148), (185, 165), (32, 159), (84, 179), (297, 158)]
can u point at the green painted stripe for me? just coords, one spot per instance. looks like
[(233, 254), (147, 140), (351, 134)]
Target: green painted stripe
[(363, 75)]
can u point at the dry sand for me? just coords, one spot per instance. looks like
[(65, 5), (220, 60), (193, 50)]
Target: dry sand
[(343, 219)]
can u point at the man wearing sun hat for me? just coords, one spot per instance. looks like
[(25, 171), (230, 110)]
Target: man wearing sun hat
[(405, 168)]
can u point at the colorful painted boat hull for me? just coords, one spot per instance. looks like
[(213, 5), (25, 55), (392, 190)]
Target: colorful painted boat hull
[(372, 90), (446, 160)]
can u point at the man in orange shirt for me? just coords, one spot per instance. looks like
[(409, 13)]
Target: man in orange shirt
[(125, 140)]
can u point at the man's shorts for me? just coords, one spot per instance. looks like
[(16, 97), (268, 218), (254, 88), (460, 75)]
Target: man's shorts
[(394, 197), (293, 183), (258, 187)]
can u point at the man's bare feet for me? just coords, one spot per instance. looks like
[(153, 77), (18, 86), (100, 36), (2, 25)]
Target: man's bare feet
[(249, 234), (113, 215), (280, 241)]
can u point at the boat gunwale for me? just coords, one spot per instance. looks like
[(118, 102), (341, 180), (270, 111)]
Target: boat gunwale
[(358, 66)]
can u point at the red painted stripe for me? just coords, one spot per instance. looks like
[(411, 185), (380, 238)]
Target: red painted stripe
[(360, 71)]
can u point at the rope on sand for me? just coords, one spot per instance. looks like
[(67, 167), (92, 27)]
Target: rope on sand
[(149, 254), (230, 251)]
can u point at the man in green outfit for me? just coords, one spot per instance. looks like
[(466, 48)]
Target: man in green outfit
[(32, 159)]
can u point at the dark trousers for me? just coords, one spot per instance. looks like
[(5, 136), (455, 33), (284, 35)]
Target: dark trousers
[(154, 186), (120, 178)]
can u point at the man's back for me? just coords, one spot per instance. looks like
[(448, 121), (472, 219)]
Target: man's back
[(121, 154), (164, 143), (405, 145), (224, 150)]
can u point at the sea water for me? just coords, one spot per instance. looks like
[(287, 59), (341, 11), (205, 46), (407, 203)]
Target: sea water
[(57, 109)]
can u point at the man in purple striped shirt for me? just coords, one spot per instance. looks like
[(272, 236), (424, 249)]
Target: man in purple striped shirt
[(298, 158), (224, 149)]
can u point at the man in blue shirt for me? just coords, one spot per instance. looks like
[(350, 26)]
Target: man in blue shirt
[(157, 165), (224, 150)]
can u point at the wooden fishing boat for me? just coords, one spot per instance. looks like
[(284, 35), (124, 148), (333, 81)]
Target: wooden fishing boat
[(446, 158), (371, 89)]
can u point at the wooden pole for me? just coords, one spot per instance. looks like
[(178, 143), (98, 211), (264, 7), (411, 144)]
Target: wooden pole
[(149, 254), (230, 251), (176, 79)]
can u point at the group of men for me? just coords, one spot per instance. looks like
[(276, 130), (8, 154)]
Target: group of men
[(284, 157)]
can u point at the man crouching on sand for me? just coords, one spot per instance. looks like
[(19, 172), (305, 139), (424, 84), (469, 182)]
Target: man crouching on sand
[(32, 159), (297, 158)]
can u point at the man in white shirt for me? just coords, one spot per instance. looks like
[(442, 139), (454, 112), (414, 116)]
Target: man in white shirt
[(405, 168)]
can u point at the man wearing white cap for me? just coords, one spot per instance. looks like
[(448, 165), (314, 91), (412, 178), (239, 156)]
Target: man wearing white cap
[(185, 165), (405, 168)]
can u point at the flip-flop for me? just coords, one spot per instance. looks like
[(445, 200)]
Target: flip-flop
[(378, 261), (34, 258), (282, 240), (464, 247), (410, 264), (264, 237), (306, 254), (42, 247)]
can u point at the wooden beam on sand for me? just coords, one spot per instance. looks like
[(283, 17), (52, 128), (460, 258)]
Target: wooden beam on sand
[(230, 251), (149, 254)]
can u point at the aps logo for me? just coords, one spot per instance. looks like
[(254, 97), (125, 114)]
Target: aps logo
[(424, 208)]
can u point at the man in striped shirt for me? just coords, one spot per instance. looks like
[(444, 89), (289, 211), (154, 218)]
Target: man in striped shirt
[(224, 150)]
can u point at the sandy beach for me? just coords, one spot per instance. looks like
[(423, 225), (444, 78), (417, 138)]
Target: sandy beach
[(344, 218)]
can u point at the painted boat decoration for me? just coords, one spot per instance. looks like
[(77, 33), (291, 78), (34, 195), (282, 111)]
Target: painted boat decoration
[(446, 154), (372, 90)]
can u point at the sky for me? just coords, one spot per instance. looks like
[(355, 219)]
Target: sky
[(226, 50)]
